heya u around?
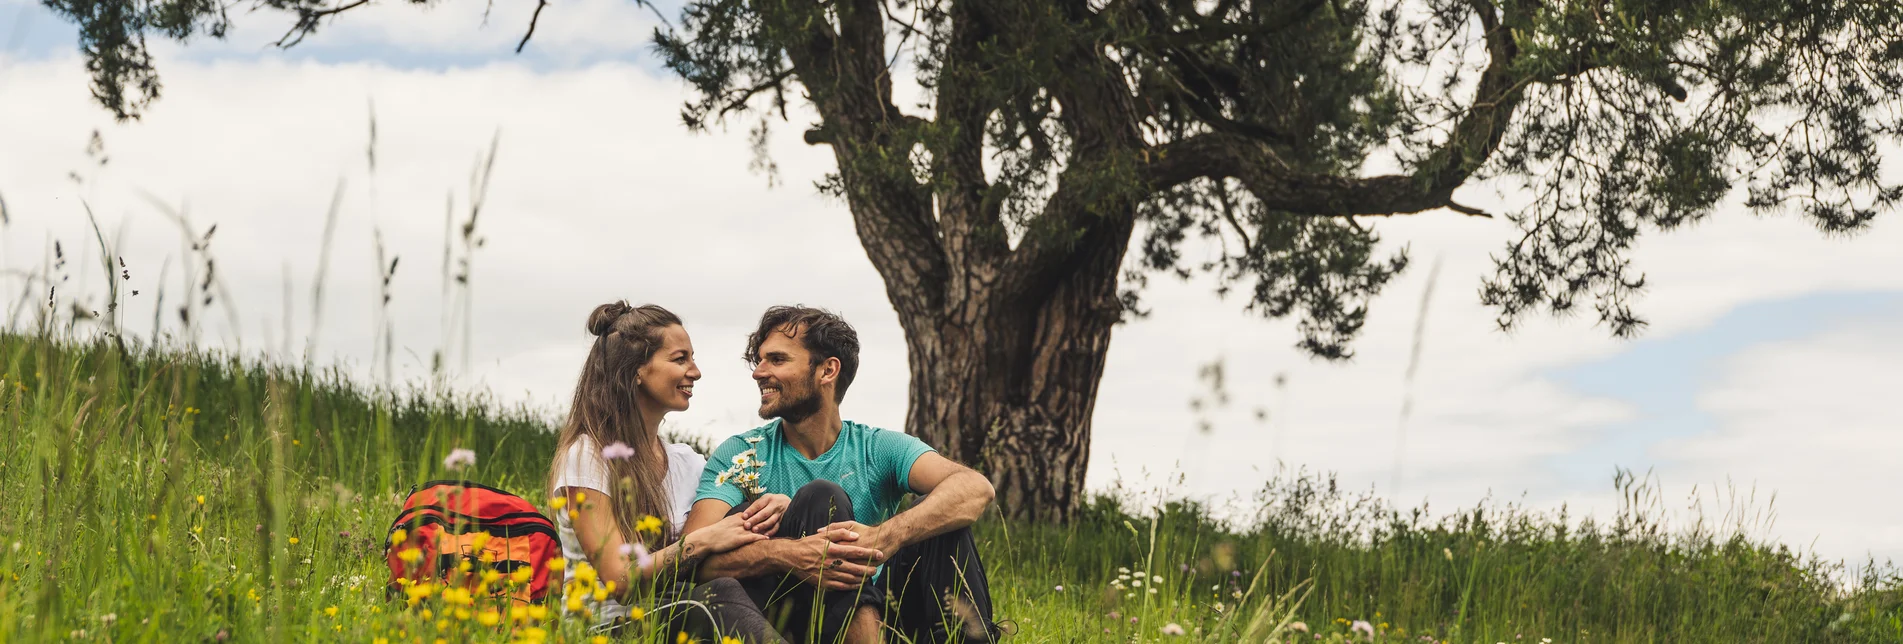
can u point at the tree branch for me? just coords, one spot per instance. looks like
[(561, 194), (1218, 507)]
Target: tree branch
[(307, 23), (532, 20), (1221, 155)]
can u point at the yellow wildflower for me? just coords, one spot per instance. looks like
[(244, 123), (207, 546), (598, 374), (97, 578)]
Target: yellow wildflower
[(574, 604), (601, 594), (598, 639), (581, 497), (490, 576), (477, 542), (518, 613), (488, 618), (462, 614), (293, 541), (521, 575), (730, 640), (635, 613), (585, 573), (330, 611), (556, 564), (201, 499), (557, 502), (538, 612), (442, 624), (398, 536), (650, 524), (410, 555)]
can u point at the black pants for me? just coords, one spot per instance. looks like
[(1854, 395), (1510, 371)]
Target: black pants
[(720, 608), (934, 585)]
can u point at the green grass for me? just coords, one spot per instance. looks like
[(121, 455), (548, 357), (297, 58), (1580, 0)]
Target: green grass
[(103, 537)]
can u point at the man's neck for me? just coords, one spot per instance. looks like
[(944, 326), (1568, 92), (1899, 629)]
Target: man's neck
[(815, 435)]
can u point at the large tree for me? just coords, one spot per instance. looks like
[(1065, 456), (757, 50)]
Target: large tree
[(1053, 136)]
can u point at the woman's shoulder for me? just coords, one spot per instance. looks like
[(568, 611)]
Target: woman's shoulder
[(685, 453)]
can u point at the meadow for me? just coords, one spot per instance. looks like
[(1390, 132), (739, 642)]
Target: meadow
[(163, 494)]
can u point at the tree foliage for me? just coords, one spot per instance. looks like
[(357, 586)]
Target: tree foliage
[(1273, 127)]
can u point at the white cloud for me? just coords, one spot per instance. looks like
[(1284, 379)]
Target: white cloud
[(1816, 421), (599, 193)]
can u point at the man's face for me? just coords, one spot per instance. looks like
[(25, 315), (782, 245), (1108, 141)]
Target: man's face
[(786, 375)]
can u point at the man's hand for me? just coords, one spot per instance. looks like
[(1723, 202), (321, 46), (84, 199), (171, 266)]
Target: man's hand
[(832, 559), (870, 537)]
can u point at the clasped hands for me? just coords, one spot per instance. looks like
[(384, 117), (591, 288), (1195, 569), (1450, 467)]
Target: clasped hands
[(841, 556)]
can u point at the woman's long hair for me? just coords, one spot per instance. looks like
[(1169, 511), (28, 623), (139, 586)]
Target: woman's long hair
[(605, 411)]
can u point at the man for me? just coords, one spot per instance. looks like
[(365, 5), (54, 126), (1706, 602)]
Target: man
[(843, 546)]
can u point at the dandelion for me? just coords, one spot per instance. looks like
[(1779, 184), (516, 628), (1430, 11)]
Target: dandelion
[(1172, 629), (330, 611), (459, 458), (635, 613), (293, 541), (201, 499), (617, 450), (398, 536), (557, 503)]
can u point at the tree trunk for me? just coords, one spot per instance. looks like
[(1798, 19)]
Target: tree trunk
[(1006, 381)]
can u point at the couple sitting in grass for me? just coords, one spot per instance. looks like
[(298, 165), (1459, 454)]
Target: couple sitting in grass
[(795, 530)]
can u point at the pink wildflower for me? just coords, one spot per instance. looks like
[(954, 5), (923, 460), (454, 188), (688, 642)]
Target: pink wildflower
[(617, 450)]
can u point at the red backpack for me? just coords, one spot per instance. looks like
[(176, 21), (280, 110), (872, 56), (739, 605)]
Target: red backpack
[(454, 531)]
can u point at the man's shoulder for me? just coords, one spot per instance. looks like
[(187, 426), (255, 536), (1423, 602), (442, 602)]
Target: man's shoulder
[(749, 438), (879, 438)]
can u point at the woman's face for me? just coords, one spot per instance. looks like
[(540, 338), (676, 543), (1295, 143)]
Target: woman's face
[(668, 377)]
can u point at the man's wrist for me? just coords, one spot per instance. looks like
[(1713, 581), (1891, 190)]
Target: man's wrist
[(778, 557)]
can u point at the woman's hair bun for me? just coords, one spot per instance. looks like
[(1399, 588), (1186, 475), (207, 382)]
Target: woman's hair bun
[(602, 321)]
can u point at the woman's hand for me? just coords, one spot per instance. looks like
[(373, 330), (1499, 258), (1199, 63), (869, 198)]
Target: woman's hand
[(763, 515), (728, 534)]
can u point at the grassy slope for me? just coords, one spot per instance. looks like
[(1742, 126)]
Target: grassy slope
[(102, 534)]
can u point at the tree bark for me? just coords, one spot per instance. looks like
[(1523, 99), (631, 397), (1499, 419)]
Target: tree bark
[(1008, 383)]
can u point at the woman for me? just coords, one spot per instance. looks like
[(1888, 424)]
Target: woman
[(612, 470)]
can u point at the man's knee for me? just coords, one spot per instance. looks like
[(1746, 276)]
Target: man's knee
[(822, 498)]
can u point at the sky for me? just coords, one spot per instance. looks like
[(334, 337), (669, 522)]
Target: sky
[(1763, 381)]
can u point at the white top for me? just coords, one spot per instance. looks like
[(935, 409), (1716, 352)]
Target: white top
[(584, 468)]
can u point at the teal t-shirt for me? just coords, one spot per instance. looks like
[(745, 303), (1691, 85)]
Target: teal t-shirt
[(873, 465)]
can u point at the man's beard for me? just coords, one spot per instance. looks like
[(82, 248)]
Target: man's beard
[(797, 410)]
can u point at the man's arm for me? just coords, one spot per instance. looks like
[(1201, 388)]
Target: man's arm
[(955, 496), (825, 558)]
